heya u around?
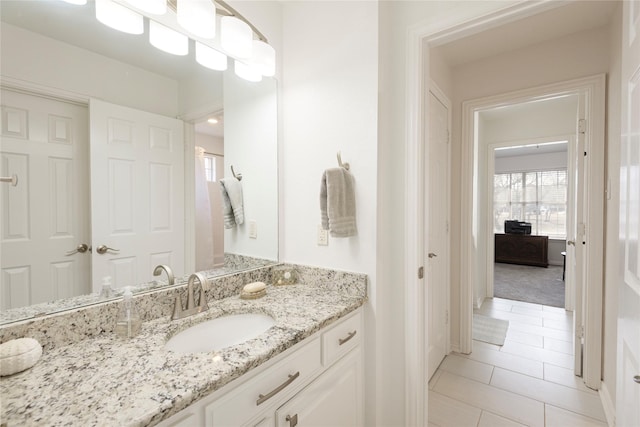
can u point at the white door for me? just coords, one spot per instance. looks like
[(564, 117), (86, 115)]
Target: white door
[(46, 215), (575, 248), (437, 203), (137, 188), (628, 377)]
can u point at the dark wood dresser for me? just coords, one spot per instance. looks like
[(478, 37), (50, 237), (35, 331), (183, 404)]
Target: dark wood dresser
[(523, 249)]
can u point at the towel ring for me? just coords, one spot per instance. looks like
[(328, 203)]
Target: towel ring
[(342, 165), (236, 176)]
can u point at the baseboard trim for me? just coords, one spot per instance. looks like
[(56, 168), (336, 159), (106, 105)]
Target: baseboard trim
[(607, 404)]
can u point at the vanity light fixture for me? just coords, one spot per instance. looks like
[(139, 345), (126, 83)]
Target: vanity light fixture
[(246, 72), (210, 58), (254, 58), (168, 40), (155, 7), (197, 17), (119, 17), (263, 58), (236, 37)]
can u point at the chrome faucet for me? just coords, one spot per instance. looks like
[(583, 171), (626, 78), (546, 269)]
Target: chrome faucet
[(192, 308), (160, 268)]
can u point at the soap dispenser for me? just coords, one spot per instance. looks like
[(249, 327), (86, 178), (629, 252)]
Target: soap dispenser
[(128, 322)]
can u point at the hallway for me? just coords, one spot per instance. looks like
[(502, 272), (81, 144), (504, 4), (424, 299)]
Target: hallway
[(528, 381)]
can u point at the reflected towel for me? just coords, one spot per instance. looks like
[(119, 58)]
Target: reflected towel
[(232, 205), (338, 202)]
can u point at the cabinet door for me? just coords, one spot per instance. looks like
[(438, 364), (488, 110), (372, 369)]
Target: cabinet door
[(333, 399)]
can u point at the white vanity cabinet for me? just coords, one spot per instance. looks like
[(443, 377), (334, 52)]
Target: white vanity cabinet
[(317, 382)]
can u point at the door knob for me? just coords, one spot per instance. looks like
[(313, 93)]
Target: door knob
[(432, 255), (81, 248), (637, 379), (571, 242), (103, 249)]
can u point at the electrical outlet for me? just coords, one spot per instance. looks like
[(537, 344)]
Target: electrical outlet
[(253, 230), (323, 236)]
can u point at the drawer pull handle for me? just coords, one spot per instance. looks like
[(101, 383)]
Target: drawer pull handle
[(293, 421), (264, 397), (344, 340)]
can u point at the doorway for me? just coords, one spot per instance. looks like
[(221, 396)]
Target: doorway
[(586, 260), (528, 212)]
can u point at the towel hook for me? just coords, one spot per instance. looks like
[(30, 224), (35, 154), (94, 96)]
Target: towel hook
[(342, 165), (236, 176)]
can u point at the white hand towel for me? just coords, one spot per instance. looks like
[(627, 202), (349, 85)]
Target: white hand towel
[(338, 202), (232, 204)]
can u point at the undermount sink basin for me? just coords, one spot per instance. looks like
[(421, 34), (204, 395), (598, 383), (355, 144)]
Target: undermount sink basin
[(219, 333)]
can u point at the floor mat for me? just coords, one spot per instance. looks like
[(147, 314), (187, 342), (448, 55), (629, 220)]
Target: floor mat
[(490, 330)]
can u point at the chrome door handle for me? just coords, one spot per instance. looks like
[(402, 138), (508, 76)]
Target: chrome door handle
[(81, 248), (103, 249), (13, 179), (637, 379), (432, 255), (571, 242)]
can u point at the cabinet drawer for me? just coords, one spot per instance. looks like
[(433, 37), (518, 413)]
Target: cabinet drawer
[(341, 338), (281, 380)]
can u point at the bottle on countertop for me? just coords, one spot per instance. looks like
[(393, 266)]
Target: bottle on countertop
[(128, 323), (106, 291)]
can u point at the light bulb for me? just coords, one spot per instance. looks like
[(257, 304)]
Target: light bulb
[(168, 40), (236, 37), (247, 72), (210, 58), (155, 7), (198, 17), (263, 58), (119, 17)]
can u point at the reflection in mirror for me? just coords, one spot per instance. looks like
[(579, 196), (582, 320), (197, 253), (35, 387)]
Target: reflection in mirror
[(74, 94)]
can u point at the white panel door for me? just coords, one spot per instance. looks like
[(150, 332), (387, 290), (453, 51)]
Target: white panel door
[(137, 187), (628, 378), (437, 203), (44, 143)]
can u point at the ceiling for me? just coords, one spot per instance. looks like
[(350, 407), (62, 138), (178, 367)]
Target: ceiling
[(572, 17)]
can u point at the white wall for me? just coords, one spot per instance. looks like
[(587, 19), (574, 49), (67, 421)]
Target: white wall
[(583, 54), (250, 145), (33, 58), (330, 92)]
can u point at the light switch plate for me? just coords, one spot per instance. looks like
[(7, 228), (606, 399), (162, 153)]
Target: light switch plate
[(323, 236)]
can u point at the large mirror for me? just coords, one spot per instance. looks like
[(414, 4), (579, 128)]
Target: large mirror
[(121, 151)]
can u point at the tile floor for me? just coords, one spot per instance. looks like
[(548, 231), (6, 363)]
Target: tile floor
[(528, 381)]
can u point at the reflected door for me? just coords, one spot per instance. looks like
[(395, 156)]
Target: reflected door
[(46, 215), (137, 187)]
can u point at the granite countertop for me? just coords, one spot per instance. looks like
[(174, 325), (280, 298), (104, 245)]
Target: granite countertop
[(109, 381)]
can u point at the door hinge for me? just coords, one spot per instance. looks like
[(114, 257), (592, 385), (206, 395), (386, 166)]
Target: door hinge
[(446, 317), (582, 126), (448, 136), (420, 272), (580, 332)]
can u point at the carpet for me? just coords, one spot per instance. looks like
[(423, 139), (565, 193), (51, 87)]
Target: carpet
[(490, 330), (537, 285)]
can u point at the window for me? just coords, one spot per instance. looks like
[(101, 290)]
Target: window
[(538, 197), (210, 168)]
